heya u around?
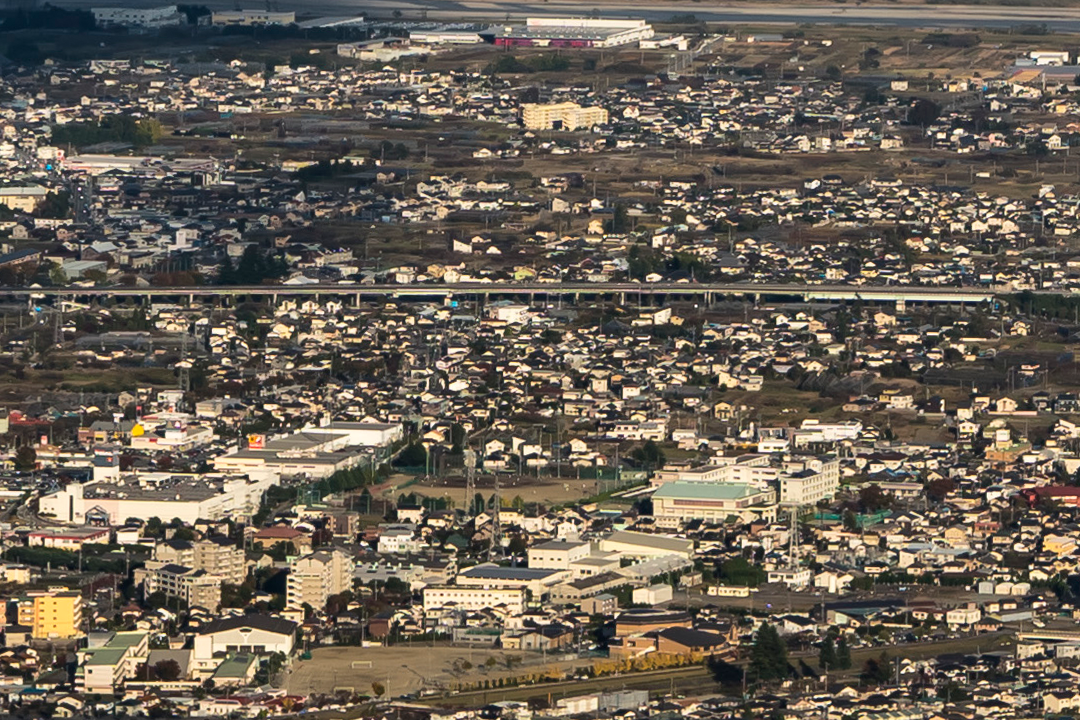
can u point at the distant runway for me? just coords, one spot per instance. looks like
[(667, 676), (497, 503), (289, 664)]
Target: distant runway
[(928, 16)]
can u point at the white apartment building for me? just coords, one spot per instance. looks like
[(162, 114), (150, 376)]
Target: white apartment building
[(810, 481), (398, 540), (106, 666), (794, 577), (218, 556), (314, 578), (813, 431), (196, 588), (561, 116), (964, 616)]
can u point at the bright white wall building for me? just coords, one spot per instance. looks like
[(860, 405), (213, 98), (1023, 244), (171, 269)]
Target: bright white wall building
[(557, 554), (473, 598)]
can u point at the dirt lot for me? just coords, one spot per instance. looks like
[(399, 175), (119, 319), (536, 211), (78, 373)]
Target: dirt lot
[(401, 669), (530, 489)]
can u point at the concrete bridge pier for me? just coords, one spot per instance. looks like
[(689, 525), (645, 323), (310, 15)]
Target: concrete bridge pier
[(356, 300), (901, 306)]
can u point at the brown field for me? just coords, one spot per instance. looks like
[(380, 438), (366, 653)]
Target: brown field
[(402, 669), (530, 489)]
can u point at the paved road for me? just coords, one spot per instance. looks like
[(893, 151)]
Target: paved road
[(952, 16)]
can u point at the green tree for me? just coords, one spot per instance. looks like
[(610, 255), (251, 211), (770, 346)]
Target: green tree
[(25, 458), (768, 657), (876, 670), (872, 498), (57, 276), (939, 488), (412, 455), (254, 267), (739, 571), (650, 455), (924, 112), (851, 521), (620, 220), (148, 131), (167, 670), (827, 654), (843, 654), (56, 205)]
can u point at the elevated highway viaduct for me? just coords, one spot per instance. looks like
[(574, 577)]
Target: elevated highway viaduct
[(708, 293)]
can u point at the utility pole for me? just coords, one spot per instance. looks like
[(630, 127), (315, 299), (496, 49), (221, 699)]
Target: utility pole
[(496, 522), (470, 481), (184, 378)]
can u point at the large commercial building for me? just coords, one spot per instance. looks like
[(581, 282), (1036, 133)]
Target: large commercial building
[(189, 497), (442, 36), (315, 577), (157, 17), (358, 434), (315, 452), (676, 503), (578, 557), (561, 116), (646, 545), (573, 33), (750, 469), (252, 17), (177, 437), (801, 480)]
